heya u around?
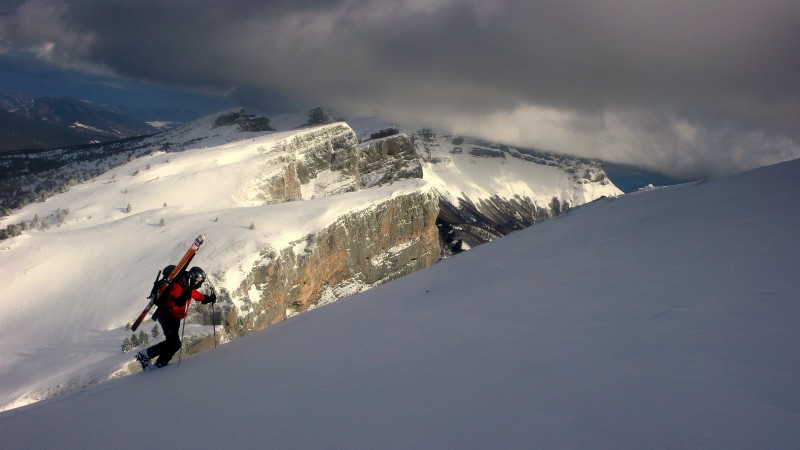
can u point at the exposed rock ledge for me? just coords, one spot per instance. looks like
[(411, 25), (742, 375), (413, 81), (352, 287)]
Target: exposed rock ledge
[(361, 249)]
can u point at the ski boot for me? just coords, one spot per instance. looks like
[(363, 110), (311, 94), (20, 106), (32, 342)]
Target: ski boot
[(143, 359)]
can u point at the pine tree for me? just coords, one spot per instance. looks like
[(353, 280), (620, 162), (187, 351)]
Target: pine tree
[(320, 116), (252, 225), (126, 345), (61, 215), (134, 340), (143, 338), (128, 327), (154, 332)]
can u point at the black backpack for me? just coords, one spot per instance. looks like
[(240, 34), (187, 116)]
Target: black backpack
[(163, 280)]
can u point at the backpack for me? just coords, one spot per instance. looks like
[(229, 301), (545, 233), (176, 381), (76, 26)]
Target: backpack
[(162, 281)]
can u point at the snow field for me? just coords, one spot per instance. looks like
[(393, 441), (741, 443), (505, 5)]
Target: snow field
[(662, 319)]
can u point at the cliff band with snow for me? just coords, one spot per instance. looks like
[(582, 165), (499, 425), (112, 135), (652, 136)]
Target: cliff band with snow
[(293, 220)]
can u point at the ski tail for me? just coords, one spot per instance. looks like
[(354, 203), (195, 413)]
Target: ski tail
[(180, 267), (141, 317)]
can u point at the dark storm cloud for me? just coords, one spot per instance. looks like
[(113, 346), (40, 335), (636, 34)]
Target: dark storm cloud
[(702, 86)]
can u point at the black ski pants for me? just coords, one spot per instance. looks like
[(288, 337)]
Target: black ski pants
[(167, 348)]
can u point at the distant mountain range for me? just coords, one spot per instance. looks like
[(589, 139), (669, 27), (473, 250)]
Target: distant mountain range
[(28, 122)]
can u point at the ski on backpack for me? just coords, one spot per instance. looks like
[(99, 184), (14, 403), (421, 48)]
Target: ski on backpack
[(160, 286)]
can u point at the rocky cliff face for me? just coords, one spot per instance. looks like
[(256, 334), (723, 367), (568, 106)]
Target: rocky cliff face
[(329, 160), (293, 164), (359, 250), (387, 160)]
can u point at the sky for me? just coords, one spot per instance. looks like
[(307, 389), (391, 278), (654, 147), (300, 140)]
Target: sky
[(689, 88)]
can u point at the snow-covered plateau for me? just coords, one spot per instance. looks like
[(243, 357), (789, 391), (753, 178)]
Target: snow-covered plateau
[(665, 318), (293, 219)]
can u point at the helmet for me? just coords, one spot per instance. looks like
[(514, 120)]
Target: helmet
[(196, 277)]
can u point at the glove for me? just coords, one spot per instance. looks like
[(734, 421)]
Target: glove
[(212, 298)]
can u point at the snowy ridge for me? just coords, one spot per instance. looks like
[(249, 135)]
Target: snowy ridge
[(454, 166), (205, 191), (666, 318), (261, 198)]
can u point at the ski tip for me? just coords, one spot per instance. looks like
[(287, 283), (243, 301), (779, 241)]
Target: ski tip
[(200, 239)]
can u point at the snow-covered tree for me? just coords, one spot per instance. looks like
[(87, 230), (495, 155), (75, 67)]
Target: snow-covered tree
[(61, 215), (144, 339), (320, 116)]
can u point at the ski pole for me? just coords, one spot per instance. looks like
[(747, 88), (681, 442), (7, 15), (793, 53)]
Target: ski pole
[(213, 314), (214, 323), (180, 355)]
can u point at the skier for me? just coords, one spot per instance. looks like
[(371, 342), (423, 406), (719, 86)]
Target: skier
[(172, 307)]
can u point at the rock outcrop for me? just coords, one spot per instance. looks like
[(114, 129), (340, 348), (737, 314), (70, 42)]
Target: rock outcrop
[(387, 160), (359, 250), (329, 160), (292, 169)]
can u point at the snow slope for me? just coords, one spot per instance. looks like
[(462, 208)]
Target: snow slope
[(661, 319), (67, 291)]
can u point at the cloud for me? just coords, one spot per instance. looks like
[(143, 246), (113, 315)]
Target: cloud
[(701, 87)]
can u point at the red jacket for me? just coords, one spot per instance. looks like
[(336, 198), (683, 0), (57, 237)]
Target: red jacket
[(176, 300)]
